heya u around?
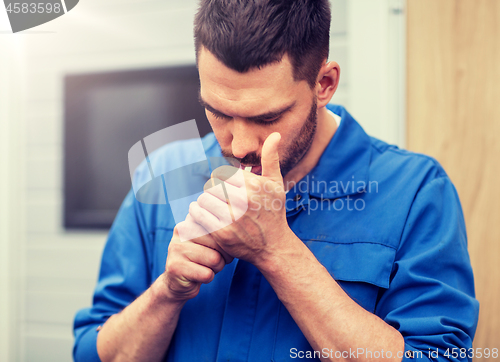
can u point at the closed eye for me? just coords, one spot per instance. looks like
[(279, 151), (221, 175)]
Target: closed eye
[(218, 115), (268, 122), (264, 122), (267, 119)]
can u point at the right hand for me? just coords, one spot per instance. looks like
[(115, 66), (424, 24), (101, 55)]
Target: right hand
[(191, 263)]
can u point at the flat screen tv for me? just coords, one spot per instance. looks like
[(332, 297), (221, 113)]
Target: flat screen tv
[(105, 114)]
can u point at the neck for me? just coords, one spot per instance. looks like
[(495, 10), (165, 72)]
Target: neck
[(325, 130)]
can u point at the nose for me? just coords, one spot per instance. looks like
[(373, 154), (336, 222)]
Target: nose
[(245, 139)]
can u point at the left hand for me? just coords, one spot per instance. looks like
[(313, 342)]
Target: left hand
[(252, 224)]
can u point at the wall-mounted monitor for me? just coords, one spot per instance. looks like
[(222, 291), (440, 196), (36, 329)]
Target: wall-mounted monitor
[(105, 115)]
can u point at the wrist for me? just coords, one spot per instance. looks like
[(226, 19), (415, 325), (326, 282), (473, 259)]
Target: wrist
[(162, 294), (285, 250)]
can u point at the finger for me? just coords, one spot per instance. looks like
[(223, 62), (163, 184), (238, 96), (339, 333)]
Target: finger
[(221, 209), (206, 239), (197, 273), (215, 187), (235, 198), (206, 256), (270, 158), (208, 220), (219, 191), (197, 227), (229, 174), (194, 254), (187, 231), (184, 278)]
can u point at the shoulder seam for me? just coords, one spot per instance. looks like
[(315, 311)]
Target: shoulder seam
[(407, 153)]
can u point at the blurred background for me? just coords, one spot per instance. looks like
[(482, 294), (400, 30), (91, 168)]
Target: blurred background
[(422, 74)]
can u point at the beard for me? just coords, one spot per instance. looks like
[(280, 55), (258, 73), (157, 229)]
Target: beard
[(294, 153)]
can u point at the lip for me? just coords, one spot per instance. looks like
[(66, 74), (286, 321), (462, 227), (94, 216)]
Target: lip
[(257, 170)]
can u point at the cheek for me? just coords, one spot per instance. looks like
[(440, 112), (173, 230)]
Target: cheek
[(289, 134)]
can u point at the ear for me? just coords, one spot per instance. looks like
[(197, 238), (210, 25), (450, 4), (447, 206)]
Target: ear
[(328, 81)]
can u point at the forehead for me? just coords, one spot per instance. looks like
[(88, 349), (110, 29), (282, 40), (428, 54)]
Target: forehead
[(246, 93)]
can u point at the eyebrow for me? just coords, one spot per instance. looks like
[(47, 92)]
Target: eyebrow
[(258, 118)]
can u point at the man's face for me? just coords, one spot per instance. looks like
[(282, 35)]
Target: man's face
[(243, 109)]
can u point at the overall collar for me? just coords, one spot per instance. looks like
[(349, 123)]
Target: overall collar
[(343, 168)]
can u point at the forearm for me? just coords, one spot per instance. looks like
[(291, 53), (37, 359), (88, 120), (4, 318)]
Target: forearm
[(326, 315), (143, 330)]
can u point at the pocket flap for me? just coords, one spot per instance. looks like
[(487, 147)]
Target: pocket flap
[(356, 261)]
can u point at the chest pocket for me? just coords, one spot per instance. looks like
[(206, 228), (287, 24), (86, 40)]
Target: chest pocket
[(361, 269)]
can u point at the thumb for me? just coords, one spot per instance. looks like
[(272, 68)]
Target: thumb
[(270, 158)]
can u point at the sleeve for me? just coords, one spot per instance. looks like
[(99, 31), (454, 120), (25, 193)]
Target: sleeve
[(124, 275), (431, 299)]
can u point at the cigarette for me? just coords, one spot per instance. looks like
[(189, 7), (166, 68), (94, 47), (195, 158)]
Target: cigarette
[(248, 168)]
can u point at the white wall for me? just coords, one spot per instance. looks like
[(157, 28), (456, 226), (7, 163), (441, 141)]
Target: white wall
[(55, 270), (11, 204), (377, 88), (4, 211)]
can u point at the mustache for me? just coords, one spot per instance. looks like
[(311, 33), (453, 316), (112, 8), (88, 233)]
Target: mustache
[(252, 159)]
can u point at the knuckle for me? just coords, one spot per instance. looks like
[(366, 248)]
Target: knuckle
[(172, 267), (192, 207), (213, 259), (181, 227), (220, 265), (202, 199), (206, 275), (175, 246), (208, 185)]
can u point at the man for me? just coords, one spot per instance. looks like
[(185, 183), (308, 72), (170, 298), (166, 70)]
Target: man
[(349, 248)]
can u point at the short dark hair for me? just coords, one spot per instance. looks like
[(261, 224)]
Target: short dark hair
[(246, 34)]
